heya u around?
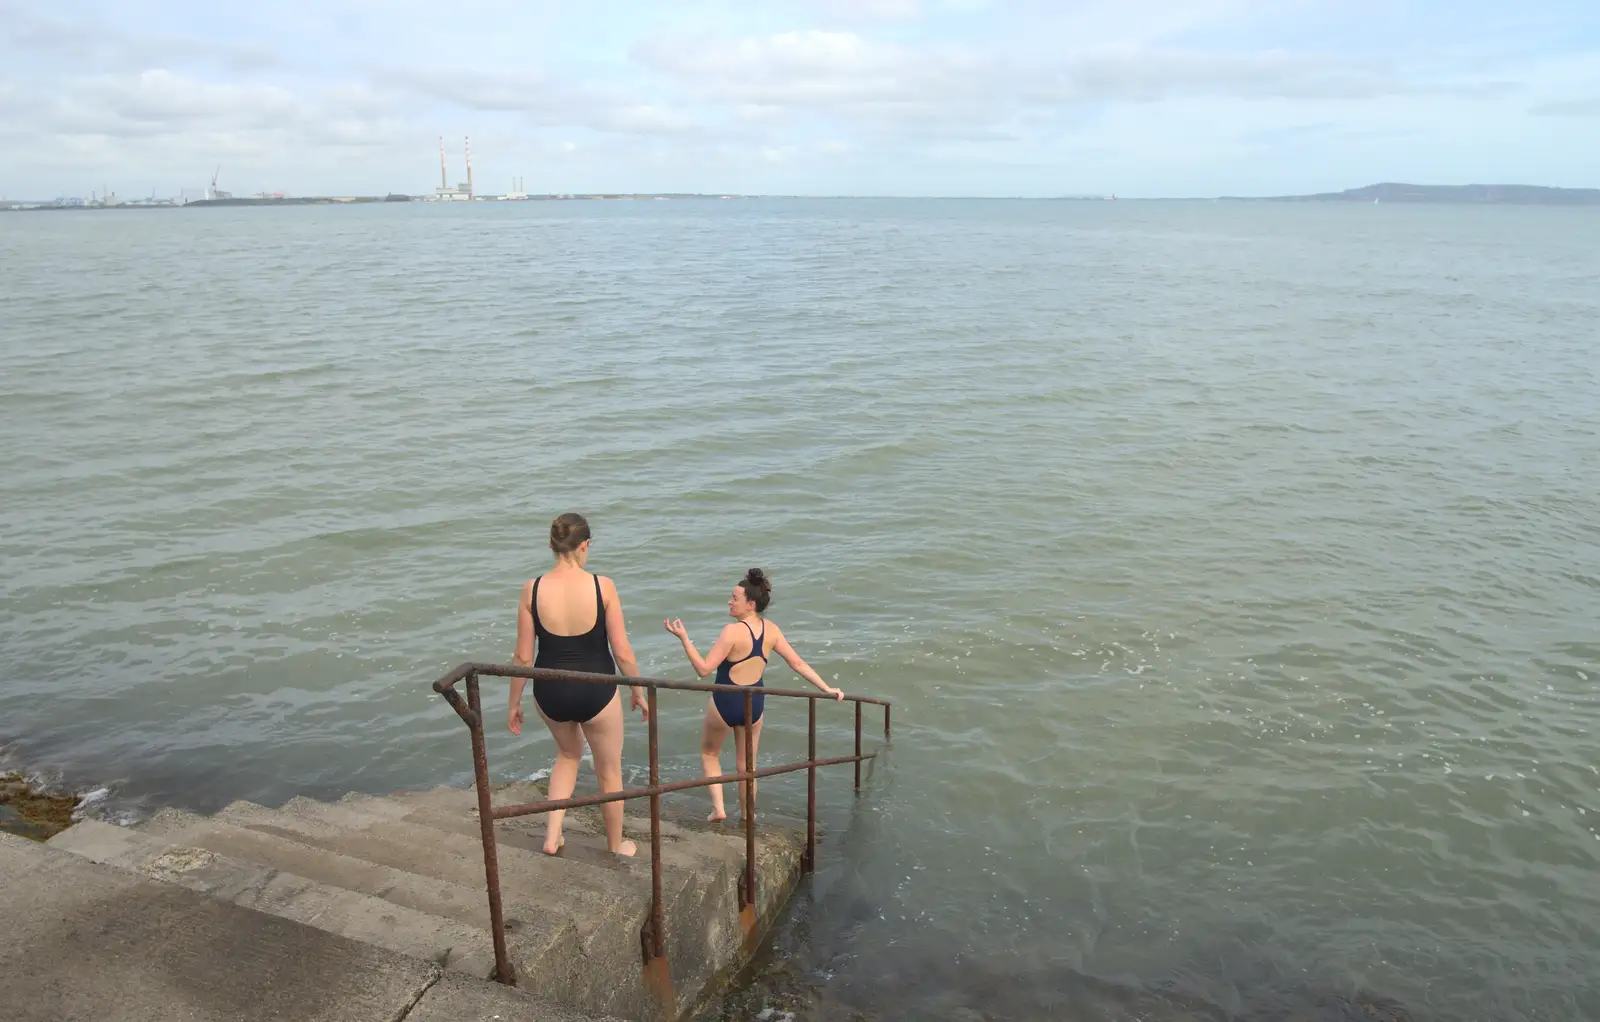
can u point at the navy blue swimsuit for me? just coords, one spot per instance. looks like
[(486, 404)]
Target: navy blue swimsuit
[(730, 705)]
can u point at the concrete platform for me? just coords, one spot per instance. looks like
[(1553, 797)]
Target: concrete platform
[(401, 879)]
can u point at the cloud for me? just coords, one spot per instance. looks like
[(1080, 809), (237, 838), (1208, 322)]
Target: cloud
[(13, 97), (1569, 108), (90, 42), (176, 103), (164, 103), (544, 99), (979, 93), (838, 73), (864, 10)]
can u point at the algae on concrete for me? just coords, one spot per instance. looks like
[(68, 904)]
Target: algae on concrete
[(30, 813)]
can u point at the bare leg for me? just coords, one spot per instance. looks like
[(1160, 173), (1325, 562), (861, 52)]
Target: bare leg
[(712, 734), (563, 776), (604, 731)]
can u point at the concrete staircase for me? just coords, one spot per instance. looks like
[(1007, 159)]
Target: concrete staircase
[(405, 873)]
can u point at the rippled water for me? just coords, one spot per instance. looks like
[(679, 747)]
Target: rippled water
[(1233, 567)]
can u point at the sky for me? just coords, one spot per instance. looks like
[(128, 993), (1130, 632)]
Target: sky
[(811, 97)]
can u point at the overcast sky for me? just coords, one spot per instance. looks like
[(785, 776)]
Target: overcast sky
[(901, 97)]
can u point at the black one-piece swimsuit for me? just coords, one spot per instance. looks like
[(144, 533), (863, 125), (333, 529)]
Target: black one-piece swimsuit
[(573, 701)]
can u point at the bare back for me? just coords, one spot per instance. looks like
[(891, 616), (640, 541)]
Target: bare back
[(746, 663), (566, 602)]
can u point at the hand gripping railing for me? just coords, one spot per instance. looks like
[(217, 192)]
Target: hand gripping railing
[(653, 936)]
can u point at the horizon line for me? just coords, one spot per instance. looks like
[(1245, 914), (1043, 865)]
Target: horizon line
[(428, 197)]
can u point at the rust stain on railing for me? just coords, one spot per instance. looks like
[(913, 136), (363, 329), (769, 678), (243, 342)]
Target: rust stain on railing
[(652, 936)]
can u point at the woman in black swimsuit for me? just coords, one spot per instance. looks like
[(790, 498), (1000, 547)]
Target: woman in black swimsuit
[(574, 619), (740, 659)]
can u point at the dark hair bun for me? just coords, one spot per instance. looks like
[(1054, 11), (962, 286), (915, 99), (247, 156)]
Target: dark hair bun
[(757, 588), (568, 533)]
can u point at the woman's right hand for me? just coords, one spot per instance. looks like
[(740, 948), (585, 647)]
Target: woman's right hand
[(514, 719), (675, 626)]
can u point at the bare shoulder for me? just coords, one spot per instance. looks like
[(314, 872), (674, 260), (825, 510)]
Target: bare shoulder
[(608, 589), (775, 632), (527, 589)]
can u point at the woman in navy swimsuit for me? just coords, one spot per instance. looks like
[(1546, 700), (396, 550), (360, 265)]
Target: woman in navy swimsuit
[(574, 619), (739, 659)]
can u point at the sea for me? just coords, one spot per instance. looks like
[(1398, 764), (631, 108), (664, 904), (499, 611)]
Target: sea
[(1233, 568)]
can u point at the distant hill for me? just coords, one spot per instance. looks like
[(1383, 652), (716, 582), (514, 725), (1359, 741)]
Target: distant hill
[(1481, 195)]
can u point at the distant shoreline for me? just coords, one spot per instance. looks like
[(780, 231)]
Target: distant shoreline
[(1472, 195)]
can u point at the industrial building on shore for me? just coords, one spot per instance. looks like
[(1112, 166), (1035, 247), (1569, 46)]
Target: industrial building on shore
[(461, 192)]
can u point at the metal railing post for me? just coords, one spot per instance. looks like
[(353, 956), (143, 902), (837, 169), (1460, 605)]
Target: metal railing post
[(750, 807), (810, 862), (653, 937), (858, 746), (504, 971), (657, 926), (885, 719)]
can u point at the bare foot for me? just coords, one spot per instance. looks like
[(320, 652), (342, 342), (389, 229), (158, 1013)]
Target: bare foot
[(627, 848), (560, 843), (717, 816)]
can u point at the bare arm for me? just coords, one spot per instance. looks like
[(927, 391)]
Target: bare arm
[(522, 656), (800, 667), (617, 634), (706, 665)]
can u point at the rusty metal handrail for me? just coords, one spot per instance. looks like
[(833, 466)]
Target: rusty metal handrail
[(584, 677), (653, 936)]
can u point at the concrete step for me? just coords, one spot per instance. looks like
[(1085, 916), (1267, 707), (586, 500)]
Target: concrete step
[(606, 906), (457, 999), (700, 872), (708, 858), (532, 930), (596, 901), (701, 911), (85, 940), (682, 816), (453, 815), (88, 941), (446, 942), (702, 919), (562, 947), (690, 840), (699, 877)]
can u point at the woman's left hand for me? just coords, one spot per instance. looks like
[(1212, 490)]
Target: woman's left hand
[(641, 703), (838, 695)]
